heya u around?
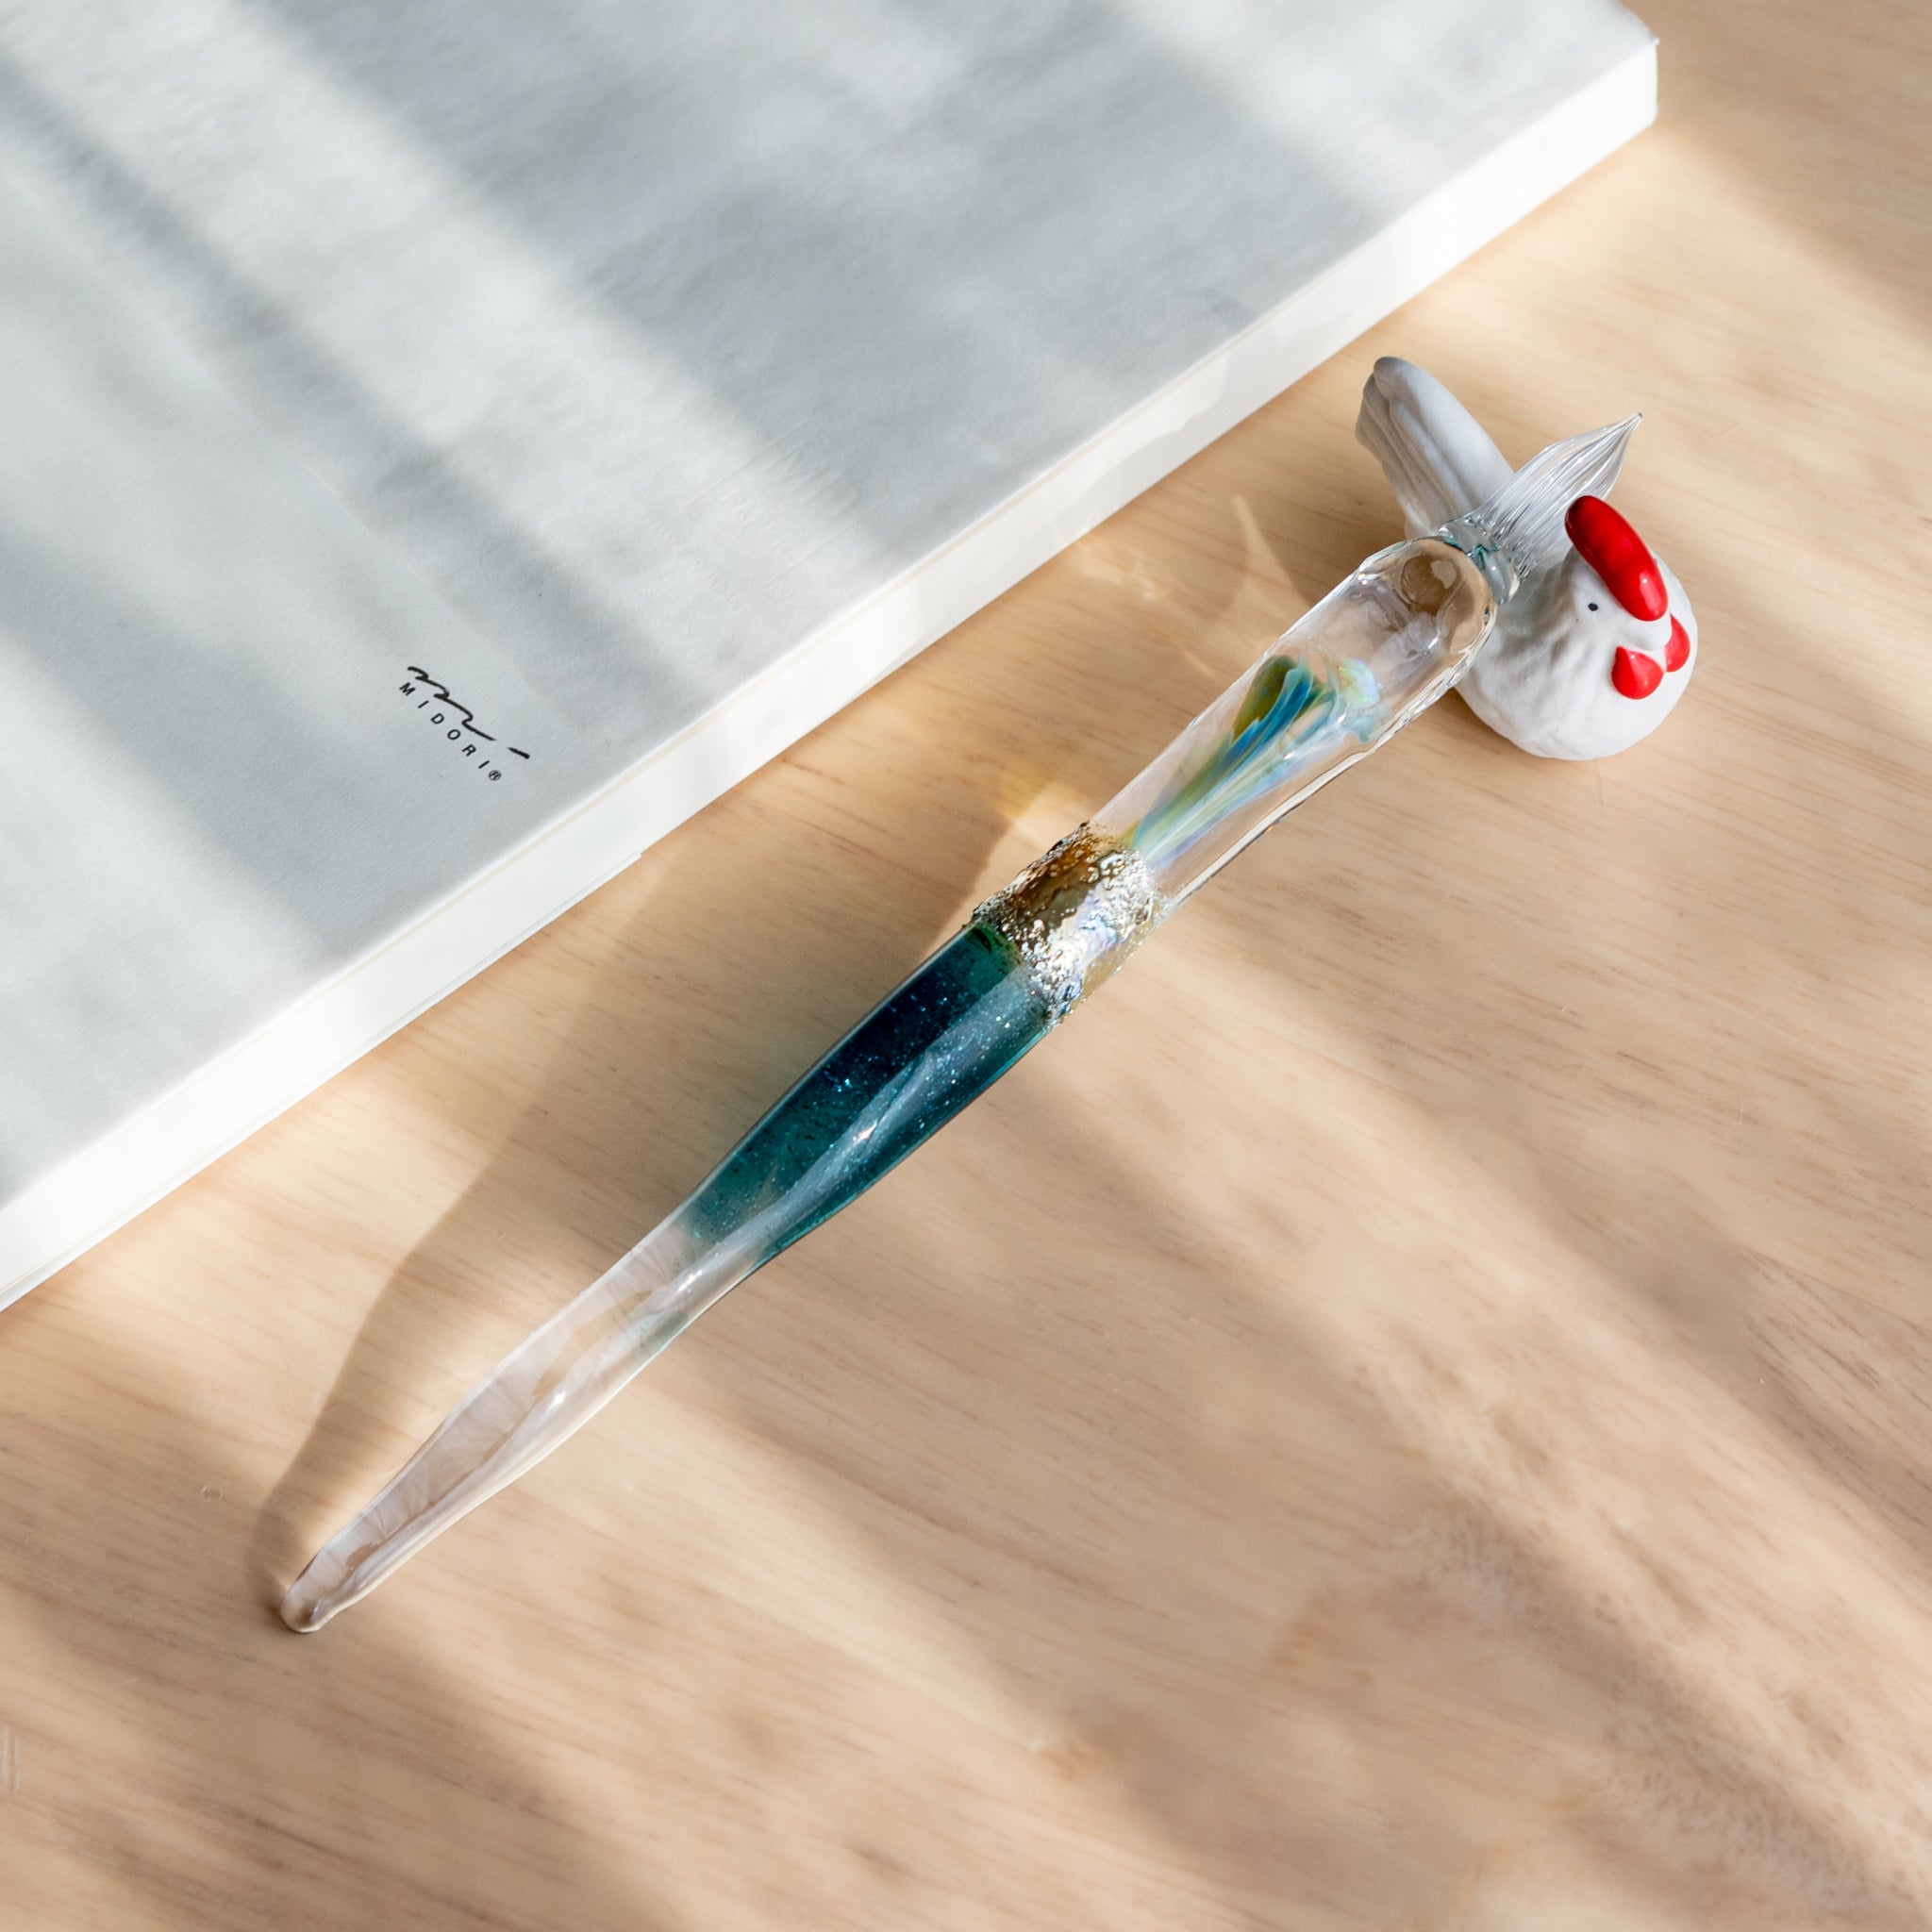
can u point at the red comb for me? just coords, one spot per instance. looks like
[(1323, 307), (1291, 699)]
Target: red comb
[(1619, 555)]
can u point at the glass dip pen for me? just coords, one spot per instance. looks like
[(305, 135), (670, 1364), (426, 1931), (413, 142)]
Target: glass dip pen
[(1379, 648)]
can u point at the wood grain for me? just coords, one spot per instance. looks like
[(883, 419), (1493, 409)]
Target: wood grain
[(1412, 1411)]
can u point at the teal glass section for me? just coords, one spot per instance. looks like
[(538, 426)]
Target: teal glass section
[(926, 1051)]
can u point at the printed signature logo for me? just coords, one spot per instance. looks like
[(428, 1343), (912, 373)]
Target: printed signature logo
[(458, 721)]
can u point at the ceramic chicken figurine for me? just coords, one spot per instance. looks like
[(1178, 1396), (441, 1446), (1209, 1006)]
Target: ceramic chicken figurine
[(1586, 661)]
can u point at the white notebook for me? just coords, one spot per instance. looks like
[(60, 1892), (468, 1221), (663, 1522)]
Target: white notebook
[(441, 448)]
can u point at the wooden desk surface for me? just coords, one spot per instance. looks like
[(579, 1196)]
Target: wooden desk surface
[(1414, 1412)]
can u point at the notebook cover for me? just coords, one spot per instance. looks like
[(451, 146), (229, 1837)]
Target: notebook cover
[(445, 446)]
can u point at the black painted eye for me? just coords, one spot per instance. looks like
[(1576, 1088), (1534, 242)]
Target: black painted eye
[(1592, 607)]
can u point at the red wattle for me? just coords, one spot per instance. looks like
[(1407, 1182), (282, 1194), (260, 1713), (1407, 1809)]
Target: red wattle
[(1619, 555), (1678, 652), (1633, 675)]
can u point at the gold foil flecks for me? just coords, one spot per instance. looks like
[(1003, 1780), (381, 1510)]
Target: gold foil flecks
[(1075, 914)]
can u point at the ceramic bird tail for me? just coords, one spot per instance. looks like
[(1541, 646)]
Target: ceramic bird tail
[(1586, 661)]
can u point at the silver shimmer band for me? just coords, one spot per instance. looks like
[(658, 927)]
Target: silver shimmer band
[(1075, 914)]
